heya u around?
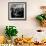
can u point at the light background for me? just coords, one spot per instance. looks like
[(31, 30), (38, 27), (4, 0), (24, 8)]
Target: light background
[(28, 27)]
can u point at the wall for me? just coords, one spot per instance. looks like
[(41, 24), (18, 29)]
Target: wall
[(27, 27)]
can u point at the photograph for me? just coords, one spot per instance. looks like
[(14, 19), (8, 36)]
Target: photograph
[(17, 10), (22, 22)]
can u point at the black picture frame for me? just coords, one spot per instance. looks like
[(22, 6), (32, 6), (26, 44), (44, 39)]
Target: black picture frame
[(17, 10)]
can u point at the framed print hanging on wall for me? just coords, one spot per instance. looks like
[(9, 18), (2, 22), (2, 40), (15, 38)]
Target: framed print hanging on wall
[(17, 10)]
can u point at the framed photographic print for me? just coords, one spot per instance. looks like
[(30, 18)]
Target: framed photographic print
[(17, 10)]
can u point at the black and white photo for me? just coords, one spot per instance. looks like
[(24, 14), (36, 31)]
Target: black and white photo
[(17, 10)]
